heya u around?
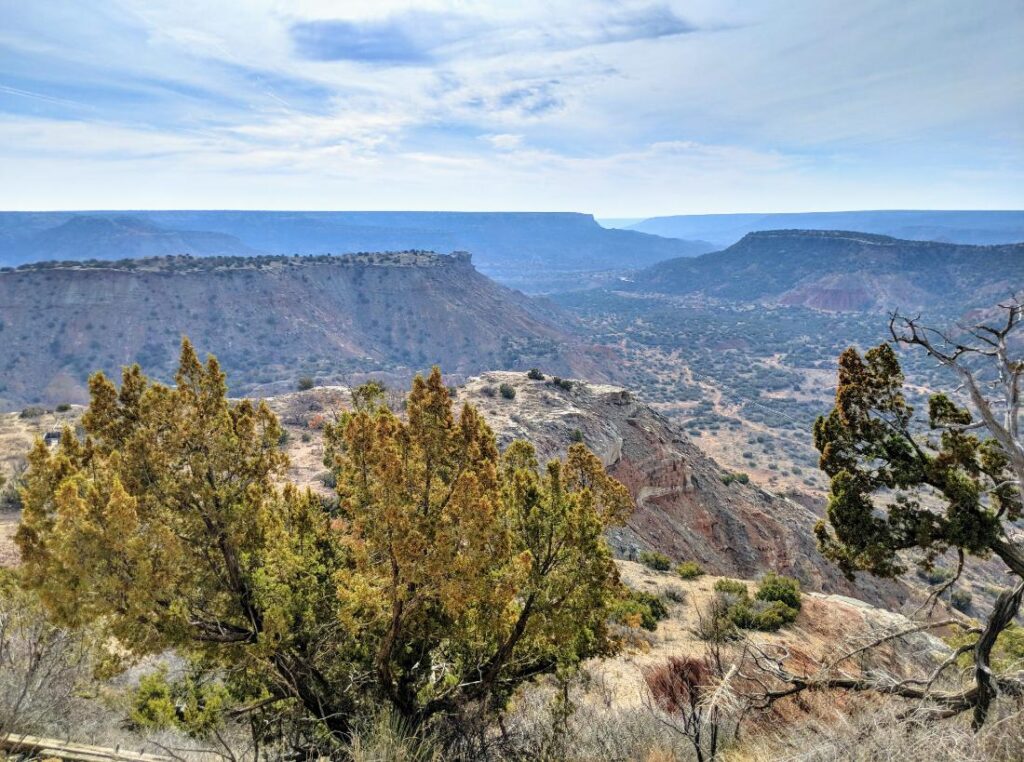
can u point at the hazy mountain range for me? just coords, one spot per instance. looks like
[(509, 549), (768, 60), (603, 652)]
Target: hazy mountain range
[(535, 252), (975, 227), (844, 271)]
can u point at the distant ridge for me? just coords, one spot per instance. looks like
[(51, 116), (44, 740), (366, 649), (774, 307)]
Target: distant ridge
[(971, 227), (533, 251), (844, 271), (100, 237)]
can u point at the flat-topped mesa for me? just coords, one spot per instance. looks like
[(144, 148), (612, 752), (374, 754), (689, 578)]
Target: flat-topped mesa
[(186, 263), (821, 235)]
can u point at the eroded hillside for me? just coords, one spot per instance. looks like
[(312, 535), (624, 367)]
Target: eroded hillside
[(270, 320)]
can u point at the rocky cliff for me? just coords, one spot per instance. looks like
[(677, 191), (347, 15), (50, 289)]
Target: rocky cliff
[(270, 320), (684, 507)]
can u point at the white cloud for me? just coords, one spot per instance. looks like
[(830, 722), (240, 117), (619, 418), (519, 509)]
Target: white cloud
[(617, 106), (504, 141)]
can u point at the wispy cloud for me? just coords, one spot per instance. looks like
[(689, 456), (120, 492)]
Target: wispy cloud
[(422, 37), (626, 107)]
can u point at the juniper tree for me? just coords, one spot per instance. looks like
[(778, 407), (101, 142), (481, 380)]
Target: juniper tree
[(449, 575), (470, 571), (954, 482)]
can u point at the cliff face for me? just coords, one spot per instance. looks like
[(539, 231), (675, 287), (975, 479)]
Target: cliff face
[(683, 507), (269, 320)]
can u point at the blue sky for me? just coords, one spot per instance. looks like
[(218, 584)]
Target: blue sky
[(619, 108)]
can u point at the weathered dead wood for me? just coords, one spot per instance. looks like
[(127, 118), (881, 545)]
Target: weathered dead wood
[(34, 746)]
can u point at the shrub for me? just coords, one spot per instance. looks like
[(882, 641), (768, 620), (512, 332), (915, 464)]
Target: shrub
[(739, 476), (63, 407), (639, 609), (488, 391), (298, 573), (768, 611), (731, 587), (507, 391), (936, 575), (961, 600), (689, 570), (576, 436), (31, 412), (676, 595), (305, 384), (534, 374), (714, 623), (562, 383), (763, 615), (652, 559), (775, 587)]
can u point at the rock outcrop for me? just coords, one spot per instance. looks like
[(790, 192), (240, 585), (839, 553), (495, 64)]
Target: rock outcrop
[(684, 508)]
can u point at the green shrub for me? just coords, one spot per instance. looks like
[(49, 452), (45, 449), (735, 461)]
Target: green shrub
[(305, 383), (731, 587), (638, 608), (534, 374), (936, 575), (31, 412), (576, 436), (562, 383), (63, 407), (153, 703), (775, 587), (507, 391), (652, 559), (187, 704), (769, 616), (768, 611), (739, 476), (689, 570)]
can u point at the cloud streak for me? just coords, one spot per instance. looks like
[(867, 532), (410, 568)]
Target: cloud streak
[(622, 107)]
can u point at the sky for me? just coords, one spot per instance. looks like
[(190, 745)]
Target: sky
[(613, 107)]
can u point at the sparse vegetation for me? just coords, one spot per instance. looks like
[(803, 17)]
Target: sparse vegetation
[(738, 477), (775, 604), (652, 559), (534, 374), (689, 570)]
